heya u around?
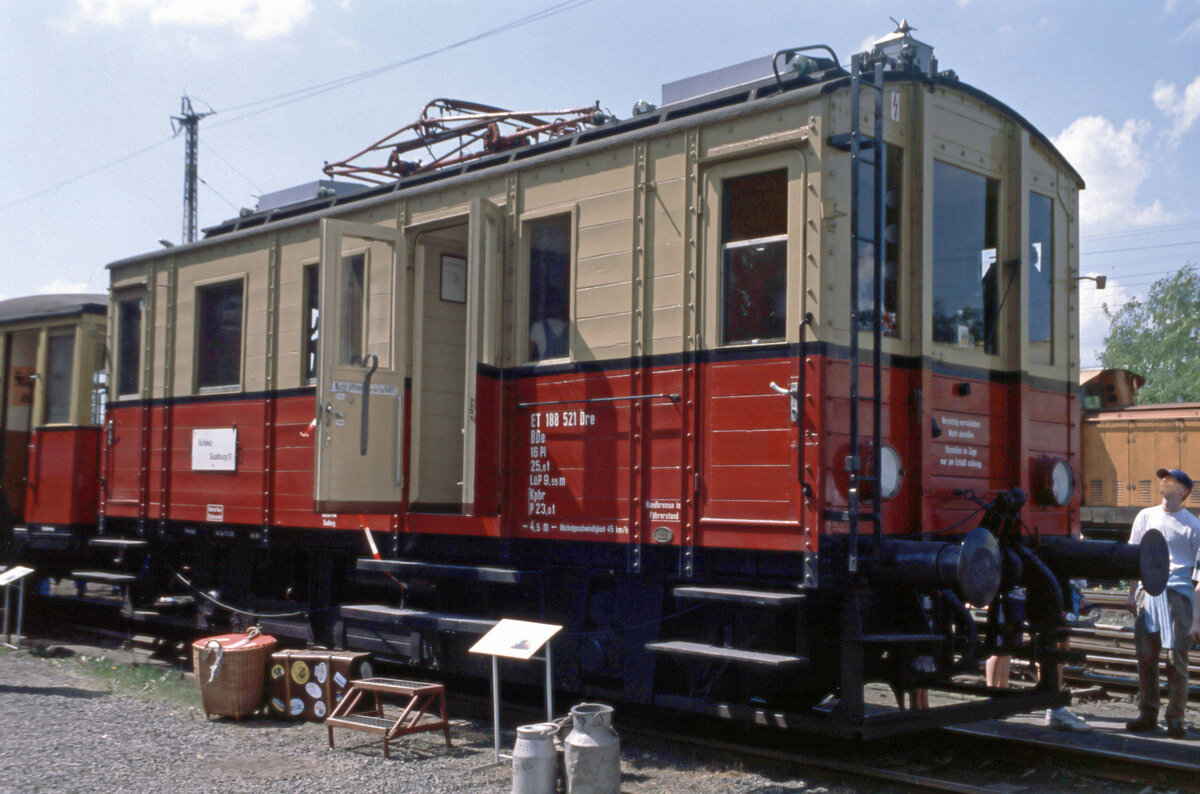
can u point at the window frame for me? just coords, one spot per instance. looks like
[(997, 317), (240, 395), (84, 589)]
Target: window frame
[(310, 346), (710, 233), (197, 288), (902, 310), (726, 247), (70, 332), (1000, 344), (525, 241), (1044, 353), (119, 302)]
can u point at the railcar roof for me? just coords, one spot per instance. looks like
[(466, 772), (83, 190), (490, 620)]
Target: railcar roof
[(704, 109), (37, 307), (1155, 412)]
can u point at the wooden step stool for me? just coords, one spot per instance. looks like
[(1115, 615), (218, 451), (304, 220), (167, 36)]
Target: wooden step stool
[(352, 712)]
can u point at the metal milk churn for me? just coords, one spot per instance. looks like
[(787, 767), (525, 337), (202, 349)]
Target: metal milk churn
[(535, 760), (593, 751)]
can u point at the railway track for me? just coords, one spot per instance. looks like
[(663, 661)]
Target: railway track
[(945, 760)]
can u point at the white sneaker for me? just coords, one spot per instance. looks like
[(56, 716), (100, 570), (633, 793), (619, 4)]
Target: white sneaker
[(1063, 719)]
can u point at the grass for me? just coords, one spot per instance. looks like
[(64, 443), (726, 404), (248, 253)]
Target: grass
[(118, 677)]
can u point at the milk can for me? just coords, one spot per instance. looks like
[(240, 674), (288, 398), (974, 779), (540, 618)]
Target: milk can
[(535, 761), (593, 751)]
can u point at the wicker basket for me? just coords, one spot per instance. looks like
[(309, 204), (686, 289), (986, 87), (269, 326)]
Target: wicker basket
[(230, 670)]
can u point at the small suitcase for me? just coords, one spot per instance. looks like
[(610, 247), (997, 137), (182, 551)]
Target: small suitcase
[(306, 685)]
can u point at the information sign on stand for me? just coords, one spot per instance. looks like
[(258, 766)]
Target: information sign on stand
[(515, 639), (7, 577)]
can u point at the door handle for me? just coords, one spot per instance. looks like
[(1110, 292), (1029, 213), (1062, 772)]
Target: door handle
[(794, 393)]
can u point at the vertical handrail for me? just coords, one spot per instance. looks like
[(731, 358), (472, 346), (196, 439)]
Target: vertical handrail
[(876, 159), (880, 153), (852, 460)]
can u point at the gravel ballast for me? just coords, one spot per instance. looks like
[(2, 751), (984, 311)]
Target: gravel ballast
[(87, 723)]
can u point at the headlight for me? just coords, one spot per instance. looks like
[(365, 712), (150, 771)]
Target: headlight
[(891, 473), (1053, 481)]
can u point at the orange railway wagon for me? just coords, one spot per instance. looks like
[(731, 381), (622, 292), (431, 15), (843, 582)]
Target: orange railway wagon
[(752, 392), (1123, 445)]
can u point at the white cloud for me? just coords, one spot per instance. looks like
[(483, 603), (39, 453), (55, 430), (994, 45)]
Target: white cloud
[(61, 286), (1093, 325), (250, 19), (1114, 167), (1182, 108)]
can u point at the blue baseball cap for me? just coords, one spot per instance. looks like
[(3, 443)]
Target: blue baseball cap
[(1178, 475)]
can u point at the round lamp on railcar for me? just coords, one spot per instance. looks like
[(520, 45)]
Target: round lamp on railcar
[(891, 472), (1053, 481)]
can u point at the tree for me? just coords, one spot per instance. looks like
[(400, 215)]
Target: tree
[(1159, 337)]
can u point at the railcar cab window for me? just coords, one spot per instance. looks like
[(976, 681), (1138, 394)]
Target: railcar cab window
[(966, 210), (1040, 270), (352, 315), (219, 331), (754, 258), (60, 359), (129, 346), (549, 287), (893, 184)]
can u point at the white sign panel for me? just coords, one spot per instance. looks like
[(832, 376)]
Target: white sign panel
[(13, 574), (515, 639), (214, 449)]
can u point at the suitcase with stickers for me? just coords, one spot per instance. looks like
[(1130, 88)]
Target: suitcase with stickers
[(306, 685)]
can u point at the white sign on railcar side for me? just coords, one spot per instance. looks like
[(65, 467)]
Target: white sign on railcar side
[(214, 449)]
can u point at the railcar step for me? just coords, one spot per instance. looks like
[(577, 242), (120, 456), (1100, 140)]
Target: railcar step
[(736, 595), (292, 628), (362, 722), (901, 637), (479, 573), (397, 617), (114, 542), (700, 649), (104, 577)]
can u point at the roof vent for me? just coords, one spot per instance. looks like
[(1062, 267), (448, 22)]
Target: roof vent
[(309, 191), (903, 50)]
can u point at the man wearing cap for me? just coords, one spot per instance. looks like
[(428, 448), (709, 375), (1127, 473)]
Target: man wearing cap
[(1171, 619)]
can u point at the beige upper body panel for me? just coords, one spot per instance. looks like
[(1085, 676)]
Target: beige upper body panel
[(645, 232)]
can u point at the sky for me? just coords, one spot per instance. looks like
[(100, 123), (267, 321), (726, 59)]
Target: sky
[(90, 171)]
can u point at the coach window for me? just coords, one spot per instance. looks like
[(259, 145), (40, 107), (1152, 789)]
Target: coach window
[(1040, 269), (352, 316), (60, 359), (311, 321), (966, 219), (754, 258), (549, 287), (129, 346), (893, 184), (219, 335)]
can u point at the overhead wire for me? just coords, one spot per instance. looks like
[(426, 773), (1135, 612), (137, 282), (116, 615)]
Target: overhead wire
[(308, 92)]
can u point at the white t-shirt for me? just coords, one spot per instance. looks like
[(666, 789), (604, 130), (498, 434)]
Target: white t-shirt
[(1181, 530)]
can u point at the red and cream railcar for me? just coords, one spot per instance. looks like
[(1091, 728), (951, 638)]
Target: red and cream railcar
[(51, 405), (722, 388)]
